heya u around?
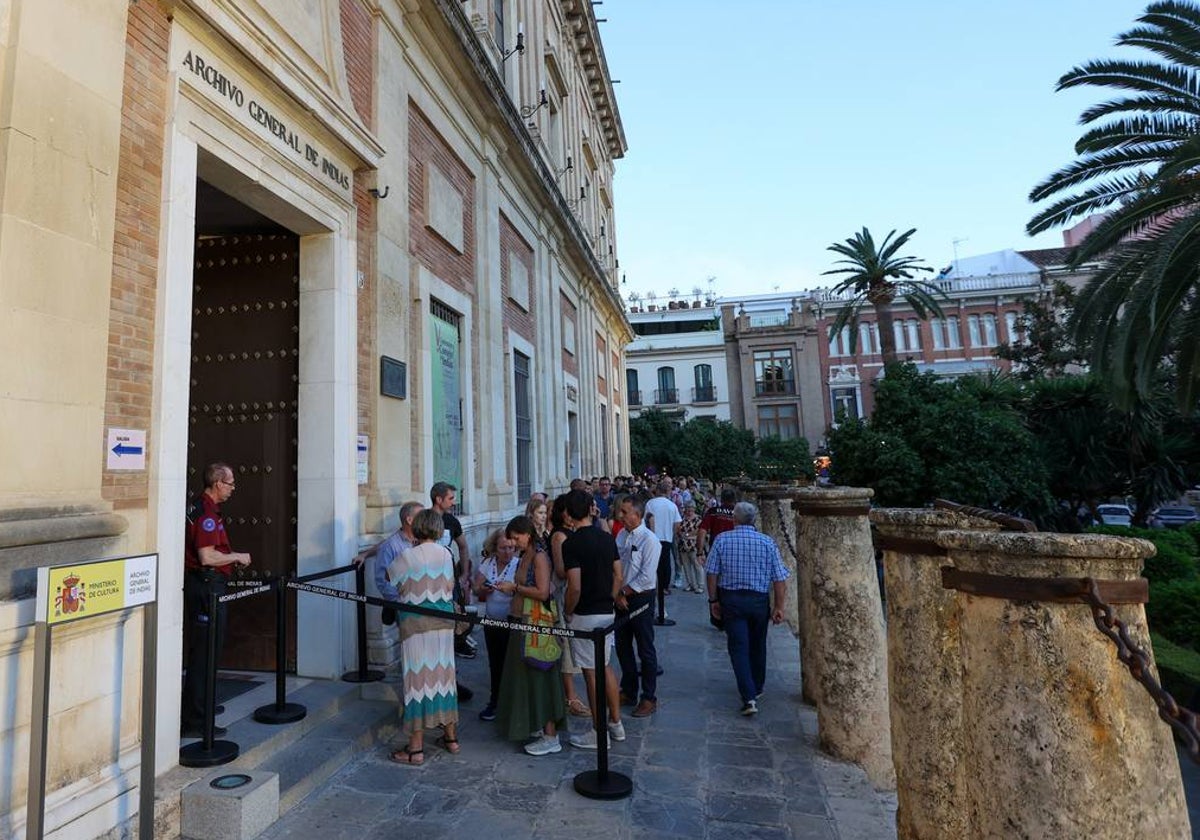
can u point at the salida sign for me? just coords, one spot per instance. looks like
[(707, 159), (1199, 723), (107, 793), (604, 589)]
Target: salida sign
[(231, 93)]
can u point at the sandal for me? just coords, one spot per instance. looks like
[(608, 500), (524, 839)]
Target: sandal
[(409, 757), (576, 707), (449, 744)]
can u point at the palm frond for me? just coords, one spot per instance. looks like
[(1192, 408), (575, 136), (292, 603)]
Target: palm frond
[(1097, 197), (1135, 130), (1156, 104), (1092, 166), (1137, 76)]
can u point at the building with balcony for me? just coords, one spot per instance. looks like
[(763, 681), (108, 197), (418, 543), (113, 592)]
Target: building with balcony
[(773, 360), (983, 297), (677, 363)]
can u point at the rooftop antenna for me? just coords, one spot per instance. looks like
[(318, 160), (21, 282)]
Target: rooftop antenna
[(955, 242)]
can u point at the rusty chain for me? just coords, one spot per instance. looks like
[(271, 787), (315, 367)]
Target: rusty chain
[(1182, 720), (787, 536)]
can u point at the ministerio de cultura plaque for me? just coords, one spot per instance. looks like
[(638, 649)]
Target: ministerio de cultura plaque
[(84, 590)]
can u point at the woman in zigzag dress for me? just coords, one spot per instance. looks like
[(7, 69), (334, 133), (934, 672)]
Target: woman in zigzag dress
[(424, 576)]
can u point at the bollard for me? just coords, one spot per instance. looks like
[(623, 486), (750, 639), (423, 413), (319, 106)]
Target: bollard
[(775, 519), (1059, 739), (280, 711), (601, 783), (363, 674), (848, 644), (924, 671), (209, 752)]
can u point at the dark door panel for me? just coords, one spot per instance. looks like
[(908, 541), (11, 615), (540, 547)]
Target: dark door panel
[(244, 374)]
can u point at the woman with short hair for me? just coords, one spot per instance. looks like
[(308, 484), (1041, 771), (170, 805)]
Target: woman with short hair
[(499, 566), (424, 576)]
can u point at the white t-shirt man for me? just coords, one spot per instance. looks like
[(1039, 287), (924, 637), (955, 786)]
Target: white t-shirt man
[(666, 517)]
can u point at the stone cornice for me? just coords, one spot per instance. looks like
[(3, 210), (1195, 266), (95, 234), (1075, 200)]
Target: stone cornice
[(526, 147), (582, 16)]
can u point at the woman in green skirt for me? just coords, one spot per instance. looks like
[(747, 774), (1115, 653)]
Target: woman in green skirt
[(531, 698)]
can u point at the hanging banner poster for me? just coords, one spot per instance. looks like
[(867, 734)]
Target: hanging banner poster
[(446, 399)]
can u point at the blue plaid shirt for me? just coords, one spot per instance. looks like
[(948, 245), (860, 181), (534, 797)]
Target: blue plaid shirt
[(745, 559)]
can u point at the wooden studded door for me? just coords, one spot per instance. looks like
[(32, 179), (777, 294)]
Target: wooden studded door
[(244, 375)]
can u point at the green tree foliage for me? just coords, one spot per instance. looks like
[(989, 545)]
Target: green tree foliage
[(713, 449), (1049, 347), (652, 441), (962, 439), (783, 460), (884, 462), (877, 275), (1137, 164)]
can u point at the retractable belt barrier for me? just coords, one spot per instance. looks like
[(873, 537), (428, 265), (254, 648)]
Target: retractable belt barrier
[(600, 783)]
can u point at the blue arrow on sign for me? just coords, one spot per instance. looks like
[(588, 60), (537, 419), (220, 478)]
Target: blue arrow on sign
[(121, 449)]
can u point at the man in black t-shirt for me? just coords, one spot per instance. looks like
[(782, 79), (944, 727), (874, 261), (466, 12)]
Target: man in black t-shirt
[(593, 579)]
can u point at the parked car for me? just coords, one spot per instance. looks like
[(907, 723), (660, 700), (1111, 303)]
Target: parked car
[(1173, 516), (1115, 515)]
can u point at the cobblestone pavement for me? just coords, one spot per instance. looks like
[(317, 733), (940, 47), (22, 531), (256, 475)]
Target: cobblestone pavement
[(699, 769)]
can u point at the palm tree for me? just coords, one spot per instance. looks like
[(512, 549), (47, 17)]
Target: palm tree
[(877, 276), (1139, 162)]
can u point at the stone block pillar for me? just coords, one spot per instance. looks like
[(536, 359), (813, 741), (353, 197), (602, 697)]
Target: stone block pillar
[(924, 671), (849, 645), (776, 520), (1059, 739)]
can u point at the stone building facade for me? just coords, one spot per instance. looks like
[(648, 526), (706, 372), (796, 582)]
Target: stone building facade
[(350, 246), (676, 363), (983, 298)]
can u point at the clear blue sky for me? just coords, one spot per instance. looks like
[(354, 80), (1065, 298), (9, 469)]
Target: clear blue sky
[(761, 131)]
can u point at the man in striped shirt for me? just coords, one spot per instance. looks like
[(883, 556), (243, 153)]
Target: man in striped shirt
[(742, 568)]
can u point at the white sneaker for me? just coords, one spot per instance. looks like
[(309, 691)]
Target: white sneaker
[(544, 745), (586, 740), (616, 731)]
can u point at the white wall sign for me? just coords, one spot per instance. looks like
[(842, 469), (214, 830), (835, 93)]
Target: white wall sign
[(364, 455), (125, 449)]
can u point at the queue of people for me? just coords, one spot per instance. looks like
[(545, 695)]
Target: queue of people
[(581, 561), (597, 553)]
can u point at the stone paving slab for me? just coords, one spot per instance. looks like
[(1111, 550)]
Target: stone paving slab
[(700, 770)]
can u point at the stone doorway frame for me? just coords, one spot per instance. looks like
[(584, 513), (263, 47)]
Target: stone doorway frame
[(202, 143)]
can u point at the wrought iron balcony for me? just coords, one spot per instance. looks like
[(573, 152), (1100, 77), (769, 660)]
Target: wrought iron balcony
[(635, 397), (666, 396), (773, 385), (704, 394)]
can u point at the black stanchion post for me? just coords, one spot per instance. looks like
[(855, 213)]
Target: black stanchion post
[(363, 674), (209, 752), (600, 783), (280, 711)]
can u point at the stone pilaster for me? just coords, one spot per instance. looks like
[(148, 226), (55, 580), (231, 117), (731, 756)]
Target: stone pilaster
[(1059, 739), (849, 645)]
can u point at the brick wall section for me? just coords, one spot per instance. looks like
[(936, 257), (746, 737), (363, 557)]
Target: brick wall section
[(601, 364), (514, 247), (427, 148), (130, 378), (618, 379), (570, 361), (358, 45)]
